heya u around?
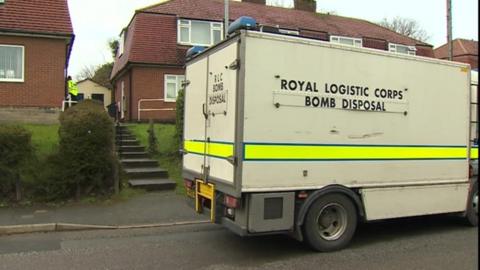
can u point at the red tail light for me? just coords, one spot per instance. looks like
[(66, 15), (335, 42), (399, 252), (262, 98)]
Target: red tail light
[(231, 202), (188, 183)]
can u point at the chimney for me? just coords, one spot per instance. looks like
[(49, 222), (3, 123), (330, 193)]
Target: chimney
[(262, 2), (306, 5)]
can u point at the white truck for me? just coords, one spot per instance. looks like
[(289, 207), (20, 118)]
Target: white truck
[(291, 135)]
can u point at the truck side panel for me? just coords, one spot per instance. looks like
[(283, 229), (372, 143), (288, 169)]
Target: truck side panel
[(291, 144), (382, 203)]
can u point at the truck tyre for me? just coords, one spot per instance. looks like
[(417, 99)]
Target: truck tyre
[(330, 223), (472, 207)]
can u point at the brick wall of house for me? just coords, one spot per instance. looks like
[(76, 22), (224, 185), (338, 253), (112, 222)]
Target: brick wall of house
[(469, 59), (375, 43), (315, 34), (44, 79), (426, 51), (125, 78), (149, 83)]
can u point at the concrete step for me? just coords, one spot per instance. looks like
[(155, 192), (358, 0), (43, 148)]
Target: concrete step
[(139, 163), (125, 137), (146, 173), (124, 133), (153, 184), (127, 142), (134, 155), (130, 148)]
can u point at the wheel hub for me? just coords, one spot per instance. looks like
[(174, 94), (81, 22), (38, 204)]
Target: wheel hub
[(475, 202), (332, 221)]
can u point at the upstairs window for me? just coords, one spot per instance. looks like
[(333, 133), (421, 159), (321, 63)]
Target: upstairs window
[(356, 42), (173, 83), (288, 32), (121, 43), (398, 48), (200, 33), (11, 63)]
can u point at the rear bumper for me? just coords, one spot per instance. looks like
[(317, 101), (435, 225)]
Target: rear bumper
[(232, 226)]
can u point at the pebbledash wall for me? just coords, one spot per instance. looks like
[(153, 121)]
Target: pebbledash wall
[(43, 87)]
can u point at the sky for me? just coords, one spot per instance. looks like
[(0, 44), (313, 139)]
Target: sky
[(95, 22)]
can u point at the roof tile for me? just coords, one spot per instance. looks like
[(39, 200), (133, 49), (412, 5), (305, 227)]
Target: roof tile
[(460, 47), (39, 16), (150, 38)]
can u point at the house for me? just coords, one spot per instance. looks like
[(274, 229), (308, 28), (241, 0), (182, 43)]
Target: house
[(149, 66), (36, 39), (464, 50), (89, 89)]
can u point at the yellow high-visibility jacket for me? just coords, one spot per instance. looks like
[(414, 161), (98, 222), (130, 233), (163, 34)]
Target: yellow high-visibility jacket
[(72, 88)]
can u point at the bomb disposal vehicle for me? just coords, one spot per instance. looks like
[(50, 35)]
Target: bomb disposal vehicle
[(289, 135)]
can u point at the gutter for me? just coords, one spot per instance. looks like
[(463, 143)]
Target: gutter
[(13, 32)]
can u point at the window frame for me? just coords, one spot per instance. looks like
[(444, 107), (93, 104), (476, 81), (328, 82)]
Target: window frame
[(411, 50), (354, 40), (187, 23), (23, 64), (121, 44), (178, 83), (289, 32)]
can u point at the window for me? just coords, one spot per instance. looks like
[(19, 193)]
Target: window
[(288, 32), (357, 42), (201, 33), (98, 97), (173, 83), (11, 63), (121, 43), (398, 48)]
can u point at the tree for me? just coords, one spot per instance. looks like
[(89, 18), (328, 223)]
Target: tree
[(405, 26), (102, 75), (87, 72), (113, 44)]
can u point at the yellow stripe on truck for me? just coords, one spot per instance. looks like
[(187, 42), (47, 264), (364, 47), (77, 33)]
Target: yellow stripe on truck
[(474, 153), (221, 150), (357, 152)]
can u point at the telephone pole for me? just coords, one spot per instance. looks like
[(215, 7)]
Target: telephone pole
[(449, 30), (226, 19)]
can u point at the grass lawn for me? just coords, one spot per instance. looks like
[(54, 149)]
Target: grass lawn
[(44, 138), (168, 156)]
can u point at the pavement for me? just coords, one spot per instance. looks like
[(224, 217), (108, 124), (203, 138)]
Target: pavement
[(153, 209)]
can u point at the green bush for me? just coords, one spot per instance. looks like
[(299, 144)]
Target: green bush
[(15, 149), (83, 164), (179, 116)]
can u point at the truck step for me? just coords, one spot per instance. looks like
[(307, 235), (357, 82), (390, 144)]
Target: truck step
[(146, 173), (153, 184), (139, 163)]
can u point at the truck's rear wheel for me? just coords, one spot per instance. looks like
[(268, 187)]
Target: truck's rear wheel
[(472, 207), (330, 223)]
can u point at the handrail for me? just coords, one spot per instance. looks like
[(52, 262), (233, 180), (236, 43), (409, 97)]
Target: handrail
[(148, 110), (69, 102)]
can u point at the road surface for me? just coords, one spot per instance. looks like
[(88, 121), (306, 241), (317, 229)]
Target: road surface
[(438, 242)]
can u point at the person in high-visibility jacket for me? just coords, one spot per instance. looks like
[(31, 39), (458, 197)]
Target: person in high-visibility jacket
[(72, 89)]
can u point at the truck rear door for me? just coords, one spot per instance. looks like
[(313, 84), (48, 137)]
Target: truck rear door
[(210, 114)]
